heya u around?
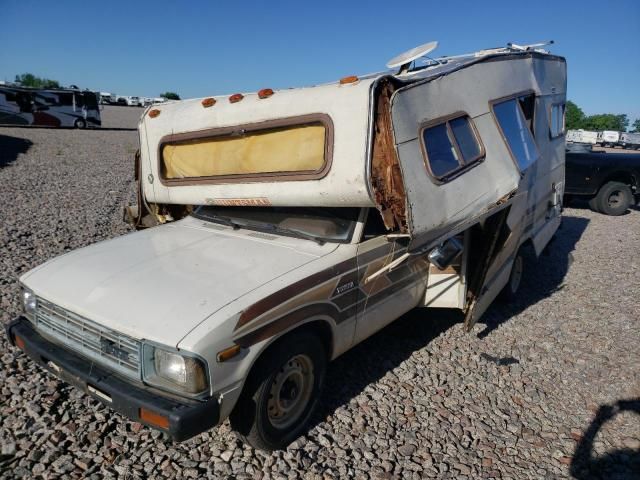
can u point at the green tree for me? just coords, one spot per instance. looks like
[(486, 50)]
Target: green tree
[(574, 116), (606, 121), (170, 95), (636, 126), (30, 80)]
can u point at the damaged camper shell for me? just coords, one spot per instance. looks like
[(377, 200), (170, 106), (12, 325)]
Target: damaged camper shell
[(296, 223)]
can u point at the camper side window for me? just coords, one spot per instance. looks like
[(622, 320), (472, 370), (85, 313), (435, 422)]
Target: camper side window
[(451, 146), (556, 124), (515, 130)]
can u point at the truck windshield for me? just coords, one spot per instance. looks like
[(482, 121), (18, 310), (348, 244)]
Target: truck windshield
[(317, 224)]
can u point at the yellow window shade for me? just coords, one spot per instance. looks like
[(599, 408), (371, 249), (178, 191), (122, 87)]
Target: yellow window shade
[(298, 148)]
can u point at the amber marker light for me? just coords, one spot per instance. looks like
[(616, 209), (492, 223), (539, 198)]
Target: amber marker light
[(19, 342), (154, 113), (349, 79), (235, 98), (155, 419), (208, 102), (228, 353), (265, 93)]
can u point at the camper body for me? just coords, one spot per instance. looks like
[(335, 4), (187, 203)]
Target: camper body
[(582, 136), (630, 140), (295, 224), (608, 138)]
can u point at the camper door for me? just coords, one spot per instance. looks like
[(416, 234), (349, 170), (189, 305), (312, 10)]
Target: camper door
[(455, 165)]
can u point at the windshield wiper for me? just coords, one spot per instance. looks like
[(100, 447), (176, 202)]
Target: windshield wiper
[(223, 220), (295, 233)]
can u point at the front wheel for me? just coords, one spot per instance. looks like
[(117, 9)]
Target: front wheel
[(614, 198), (80, 123), (281, 393)]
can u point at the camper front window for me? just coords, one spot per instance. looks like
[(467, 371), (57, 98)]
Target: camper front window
[(317, 224), (451, 146), (295, 151)]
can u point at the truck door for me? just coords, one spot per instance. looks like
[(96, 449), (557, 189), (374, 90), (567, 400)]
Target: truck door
[(385, 292)]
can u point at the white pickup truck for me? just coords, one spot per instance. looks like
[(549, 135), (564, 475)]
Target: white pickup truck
[(291, 225)]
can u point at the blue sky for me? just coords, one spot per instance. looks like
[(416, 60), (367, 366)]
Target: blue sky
[(201, 48)]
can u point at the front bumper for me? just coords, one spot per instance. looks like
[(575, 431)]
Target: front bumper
[(183, 418)]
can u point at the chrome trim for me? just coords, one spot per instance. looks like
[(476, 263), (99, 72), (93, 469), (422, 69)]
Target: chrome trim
[(104, 345)]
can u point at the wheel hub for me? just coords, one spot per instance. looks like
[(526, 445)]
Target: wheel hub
[(290, 391), (614, 199)]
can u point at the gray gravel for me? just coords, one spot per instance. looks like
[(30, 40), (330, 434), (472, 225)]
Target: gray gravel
[(548, 387), (120, 117)]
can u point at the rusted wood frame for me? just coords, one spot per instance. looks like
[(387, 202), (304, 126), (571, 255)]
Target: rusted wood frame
[(386, 176)]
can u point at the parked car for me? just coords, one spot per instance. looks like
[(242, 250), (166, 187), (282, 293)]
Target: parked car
[(107, 98), (128, 101), (610, 181), (293, 224), (145, 101)]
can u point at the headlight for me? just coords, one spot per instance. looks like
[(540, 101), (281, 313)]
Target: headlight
[(29, 303), (173, 371)]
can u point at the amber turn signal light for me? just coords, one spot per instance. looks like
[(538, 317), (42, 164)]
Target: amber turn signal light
[(265, 93), (228, 353), (154, 113), (349, 79), (155, 419), (236, 97), (19, 342), (208, 102)]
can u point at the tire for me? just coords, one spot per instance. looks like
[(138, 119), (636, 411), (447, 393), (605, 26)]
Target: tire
[(518, 269), (281, 392), (80, 123), (614, 198), (593, 204)]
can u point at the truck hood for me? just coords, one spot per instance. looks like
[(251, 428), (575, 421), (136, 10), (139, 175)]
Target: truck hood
[(160, 283)]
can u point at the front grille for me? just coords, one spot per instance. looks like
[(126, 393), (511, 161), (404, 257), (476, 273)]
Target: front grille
[(105, 346)]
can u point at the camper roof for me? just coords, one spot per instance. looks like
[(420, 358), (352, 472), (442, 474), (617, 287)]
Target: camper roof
[(339, 114)]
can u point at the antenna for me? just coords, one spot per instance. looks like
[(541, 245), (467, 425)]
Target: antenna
[(526, 48), (404, 59)]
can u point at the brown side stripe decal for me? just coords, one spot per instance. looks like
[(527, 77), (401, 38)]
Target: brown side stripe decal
[(292, 290), (327, 310), (275, 311), (283, 323)]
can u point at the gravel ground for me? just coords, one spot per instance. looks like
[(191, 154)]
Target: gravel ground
[(547, 387), (120, 117)]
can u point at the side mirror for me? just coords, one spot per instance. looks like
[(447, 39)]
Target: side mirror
[(444, 254)]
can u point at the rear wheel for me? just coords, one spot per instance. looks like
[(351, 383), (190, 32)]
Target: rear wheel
[(518, 270), (614, 198), (281, 393)]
